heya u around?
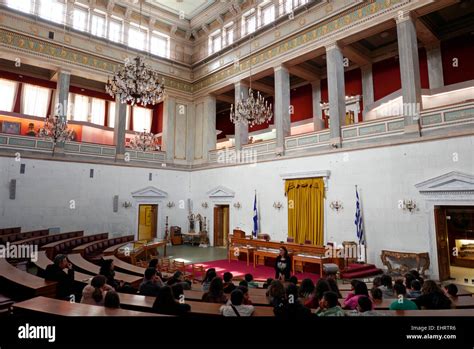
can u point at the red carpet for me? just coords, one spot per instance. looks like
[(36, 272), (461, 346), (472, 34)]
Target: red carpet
[(240, 268)]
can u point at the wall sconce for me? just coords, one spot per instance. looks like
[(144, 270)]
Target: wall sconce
[(407, 205), (237, 205), (127, 204), (170, 204), (278, 205), (204, 205), (336, 205)]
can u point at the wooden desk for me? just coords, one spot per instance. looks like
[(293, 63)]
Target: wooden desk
[(145, 303), (22, 284), (135, 249), (194, 295), (79, 262), (248, 250), (112, 250), (127, 267), (460, 303), (257, 254), (309, 259), (57, 307), (191, 237)]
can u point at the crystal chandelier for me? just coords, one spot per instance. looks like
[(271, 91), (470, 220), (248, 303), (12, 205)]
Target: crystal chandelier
[(145, 141), (136, 82), (254, 110), (55, 129)]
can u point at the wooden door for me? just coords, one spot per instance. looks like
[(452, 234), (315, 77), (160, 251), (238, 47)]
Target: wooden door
[(147, 222), (442, 243), (217, 224)]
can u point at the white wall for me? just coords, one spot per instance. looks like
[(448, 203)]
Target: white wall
[(44, 194), (384, 176)]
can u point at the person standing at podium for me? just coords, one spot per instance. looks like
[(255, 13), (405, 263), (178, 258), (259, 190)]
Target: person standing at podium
[(283, 265)]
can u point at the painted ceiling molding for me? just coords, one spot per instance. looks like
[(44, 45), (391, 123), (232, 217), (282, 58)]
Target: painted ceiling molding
[(450, 184), (220, 192), (149, 193), (312, 34), (49, 50), (307, 174)]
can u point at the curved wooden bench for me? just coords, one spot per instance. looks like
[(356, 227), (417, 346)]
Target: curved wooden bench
[(42, 240), (23, 285), (43, 261), (87, 267), (21, 236), (126, 267), (96, 248), (56, 307), (66, 245), (145, 303), (6, 231), (112, 250)]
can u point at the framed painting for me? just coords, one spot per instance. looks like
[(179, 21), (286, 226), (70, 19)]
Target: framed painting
[(10, 127)]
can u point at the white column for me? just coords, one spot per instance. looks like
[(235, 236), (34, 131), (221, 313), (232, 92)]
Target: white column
[(409, 72), (282, 107), (336, 87), (435, 66), (169, 109), (61, 100), (209, 125), (318, 122), (190, 132), (367, 87), (241, 129), (119, 129)]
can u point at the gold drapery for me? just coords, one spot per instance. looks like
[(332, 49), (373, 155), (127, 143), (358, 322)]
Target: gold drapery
[(306, 210)]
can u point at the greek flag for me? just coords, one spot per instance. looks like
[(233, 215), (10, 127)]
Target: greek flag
[(255, 217), (358, 221)]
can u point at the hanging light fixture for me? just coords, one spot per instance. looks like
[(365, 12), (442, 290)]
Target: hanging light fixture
[(254, 110), (136, 82)]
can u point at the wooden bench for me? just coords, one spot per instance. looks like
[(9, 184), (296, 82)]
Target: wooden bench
[(145, 303), (6, 231), (194, 295), (21, 284), (21, 236), (94, 249), (64, 246), (43, 261), (429, 313), (460, 303), (126, 267), (112, 250), (55, 307), (87, 267)]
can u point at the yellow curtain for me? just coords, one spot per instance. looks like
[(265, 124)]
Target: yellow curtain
[(305, 210)]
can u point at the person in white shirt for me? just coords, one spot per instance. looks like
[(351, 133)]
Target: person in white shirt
[(235, 307)]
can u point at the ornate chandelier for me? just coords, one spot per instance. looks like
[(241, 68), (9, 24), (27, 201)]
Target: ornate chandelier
[(55, 129), (136, 83), (254, 110), (145, 141)]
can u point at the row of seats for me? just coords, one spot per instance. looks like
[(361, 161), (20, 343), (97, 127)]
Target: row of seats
[(7, 231), (66, 245), (21, 236), (93, 250)]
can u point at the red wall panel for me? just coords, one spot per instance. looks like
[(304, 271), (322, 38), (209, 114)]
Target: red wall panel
[(461, 48), (302, 101), (386, 76)]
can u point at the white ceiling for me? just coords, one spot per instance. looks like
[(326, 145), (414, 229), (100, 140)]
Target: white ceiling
[(190, 8)]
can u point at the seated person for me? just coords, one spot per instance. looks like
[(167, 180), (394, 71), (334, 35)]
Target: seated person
[(321, 286), (328, 306), (291, 308), (206, 281), (178, 292), (408, 279), (294, 280), (236, 307), (451, 292), (276, 293), (376, 295), (402, 303), (165, 303), (107, 269), (216, 292), (94, 293), (364, 307), (65, 280), (387, 286), (377, 282), (228, 284), (415, 291), (244, 283), (334, 287), (360, 290), (112, 300), (250, 282), (432, 297), (245, 291), (178, 278), (306, 289), (151, 283), (267, 283)]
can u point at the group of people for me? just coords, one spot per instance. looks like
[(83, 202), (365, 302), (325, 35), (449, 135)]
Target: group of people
[(288, 299)]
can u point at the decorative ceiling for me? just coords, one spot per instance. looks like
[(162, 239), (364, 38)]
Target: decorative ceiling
[(188, 8)]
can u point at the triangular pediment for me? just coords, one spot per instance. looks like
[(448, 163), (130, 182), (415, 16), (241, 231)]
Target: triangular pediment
[(150, 192), (449, 183), (221, 192)]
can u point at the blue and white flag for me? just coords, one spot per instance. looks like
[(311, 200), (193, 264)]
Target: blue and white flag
[(358, 221), (255, 217)]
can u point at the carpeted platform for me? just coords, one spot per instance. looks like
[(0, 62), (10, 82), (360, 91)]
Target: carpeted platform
[(240, 268), (354, 271)]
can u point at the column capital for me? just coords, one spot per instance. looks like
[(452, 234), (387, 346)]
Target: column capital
[(280, 67), (332, 46), (240, 84), (403, 16)]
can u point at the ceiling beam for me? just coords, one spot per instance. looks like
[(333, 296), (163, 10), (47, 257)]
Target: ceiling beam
[(357, 55), (225, 98), (304, 72), (260, 86), (425, 34)]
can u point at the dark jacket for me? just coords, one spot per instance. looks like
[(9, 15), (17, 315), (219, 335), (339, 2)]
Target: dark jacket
[(148, 288), (285, 271), (434, 300), (65, 281), (229, 287), (294, 310)]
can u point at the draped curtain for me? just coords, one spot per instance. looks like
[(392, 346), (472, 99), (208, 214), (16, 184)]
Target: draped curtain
[(305, 210)]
